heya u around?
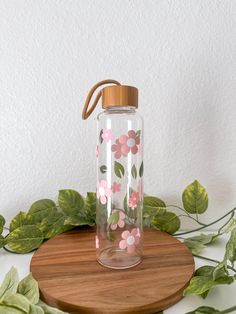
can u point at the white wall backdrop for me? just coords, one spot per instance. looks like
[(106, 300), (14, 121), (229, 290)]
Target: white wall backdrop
[(180, 54)]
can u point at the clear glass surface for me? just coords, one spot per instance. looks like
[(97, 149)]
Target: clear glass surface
[(119, 187)]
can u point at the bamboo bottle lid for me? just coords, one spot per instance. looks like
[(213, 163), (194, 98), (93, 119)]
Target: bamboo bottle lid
[(113, 95)]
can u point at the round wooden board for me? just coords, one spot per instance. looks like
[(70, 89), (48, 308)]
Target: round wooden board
[(71, 279)]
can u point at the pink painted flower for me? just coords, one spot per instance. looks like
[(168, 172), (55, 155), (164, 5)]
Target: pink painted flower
[(97, 151), (129, 143), (120, 222), (116, 187), (130, 240), (107, 135), (125, 144), (133, 200), (116, 148), (103, 191)]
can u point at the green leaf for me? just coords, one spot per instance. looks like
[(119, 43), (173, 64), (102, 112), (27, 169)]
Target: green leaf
[(195, 198), (138, 133), (2, 241), (9, 310), (114, 218), (197, 243), (41, 209), (230, 253), (53, 225), (17, 301), (153, 201), (20, 220), (199, 285), (141, 170), (119, 169), (35, 309), (149, 212), (134, 172), (230, 226), (207, 277), (70, 201), (167, 222), (90, 208), (194, 246), (28, 287), (2, 223), (50, 310), (75, 221), (204, 310), (10, 282), (103, 169), (25, 239)]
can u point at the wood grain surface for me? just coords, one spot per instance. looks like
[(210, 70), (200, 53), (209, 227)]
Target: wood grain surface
[(71, 279)]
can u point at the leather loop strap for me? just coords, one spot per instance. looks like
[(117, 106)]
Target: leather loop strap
[(87, 111)]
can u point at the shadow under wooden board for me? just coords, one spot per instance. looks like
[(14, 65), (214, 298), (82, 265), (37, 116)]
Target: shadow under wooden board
[(71, 279)]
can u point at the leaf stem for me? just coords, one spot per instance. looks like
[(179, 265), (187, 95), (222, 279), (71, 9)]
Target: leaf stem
[(219, 231), (213, 260), (200, 223), (210, 224), (188, 215), (229, 310)]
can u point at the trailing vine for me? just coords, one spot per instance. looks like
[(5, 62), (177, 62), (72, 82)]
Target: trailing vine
[(45, 219)]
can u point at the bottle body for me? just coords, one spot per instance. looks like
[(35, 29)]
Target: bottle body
[(119, 187)]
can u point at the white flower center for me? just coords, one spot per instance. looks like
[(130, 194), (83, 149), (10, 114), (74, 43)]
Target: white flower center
[(131, 142), (130, 240), (101, 191)]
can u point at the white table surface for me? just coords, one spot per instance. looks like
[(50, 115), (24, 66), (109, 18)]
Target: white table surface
[(220, 297)]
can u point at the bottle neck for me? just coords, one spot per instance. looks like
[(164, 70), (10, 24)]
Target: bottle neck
[(121, 108)]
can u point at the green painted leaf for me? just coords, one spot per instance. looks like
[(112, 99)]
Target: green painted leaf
[(167, 222), (119, 169), (153, 201), (204, 310), (9, 310), (50, 310), (2, 223), (41, 209), (197, 243), (138, 133), (75, 221), (141, 170), (17, 301), (195, 198), (25, 239), (134, 172), (103, 169), (53, 225), (100, 137), (28, 287), (20, 220), (71, 202), (35, 309), (2, 241), (114, 218), (230, 253), (10, 282)]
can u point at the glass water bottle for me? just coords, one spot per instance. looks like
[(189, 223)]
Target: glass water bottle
[(119, 189)]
